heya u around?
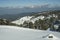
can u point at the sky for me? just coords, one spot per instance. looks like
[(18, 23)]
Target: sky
[(22, 3)]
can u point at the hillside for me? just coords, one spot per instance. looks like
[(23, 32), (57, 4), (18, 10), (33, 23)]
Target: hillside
[(40, 20), (13, 17)]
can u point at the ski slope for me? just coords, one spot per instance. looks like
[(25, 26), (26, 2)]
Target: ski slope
[(19, 33)]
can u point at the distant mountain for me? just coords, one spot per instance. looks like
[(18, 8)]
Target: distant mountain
[(15, 16), (34, 8)]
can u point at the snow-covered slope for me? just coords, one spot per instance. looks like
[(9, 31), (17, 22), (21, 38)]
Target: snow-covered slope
[(21, 20), (28, 19), (33, 18), (16, 33)]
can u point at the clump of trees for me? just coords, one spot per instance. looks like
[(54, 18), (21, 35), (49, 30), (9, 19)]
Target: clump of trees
[(6, 22), (39, 24), (42, 24), (27, 24)]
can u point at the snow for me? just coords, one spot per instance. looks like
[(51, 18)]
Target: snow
[(21, 20), (53, 15), (49, 16), (32, 19), (19, 33), (37, 18), (28, 19), (56, 26)]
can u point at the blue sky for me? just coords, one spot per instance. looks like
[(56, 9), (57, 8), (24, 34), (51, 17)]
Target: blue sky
[(22, 3)]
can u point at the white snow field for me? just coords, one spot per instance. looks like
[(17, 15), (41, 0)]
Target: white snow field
[(19, 33)]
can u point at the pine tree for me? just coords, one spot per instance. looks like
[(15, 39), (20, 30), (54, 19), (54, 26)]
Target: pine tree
[(25, 24), (30, 25)]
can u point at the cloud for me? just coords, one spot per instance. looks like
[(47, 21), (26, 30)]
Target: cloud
[(46, 5), (36, 6), (32, 6)]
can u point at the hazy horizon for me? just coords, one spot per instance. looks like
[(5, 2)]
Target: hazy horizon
[(19, 6)]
